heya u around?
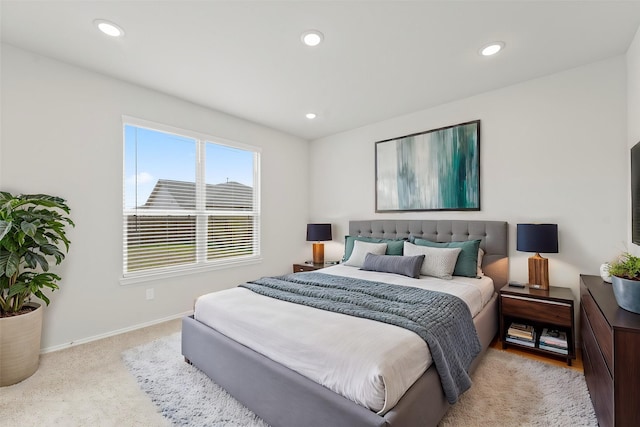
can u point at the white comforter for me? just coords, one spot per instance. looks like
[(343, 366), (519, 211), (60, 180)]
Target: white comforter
[(369, 362)]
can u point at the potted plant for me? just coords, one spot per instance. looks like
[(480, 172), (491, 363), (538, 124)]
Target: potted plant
[(625, 279), (32, 235)]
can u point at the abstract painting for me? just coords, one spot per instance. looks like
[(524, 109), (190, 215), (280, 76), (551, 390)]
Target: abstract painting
[(436, 170)]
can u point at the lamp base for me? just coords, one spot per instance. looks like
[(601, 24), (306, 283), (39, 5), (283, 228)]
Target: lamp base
[(318, 253), (539, 272)]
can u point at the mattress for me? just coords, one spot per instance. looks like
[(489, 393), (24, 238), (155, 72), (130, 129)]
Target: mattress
[(368, 362)]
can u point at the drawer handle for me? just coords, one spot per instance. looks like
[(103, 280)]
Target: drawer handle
[(564, 304)]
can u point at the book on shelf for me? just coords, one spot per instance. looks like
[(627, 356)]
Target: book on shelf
[(526, 336), (520, 330), (516, 337), (520, 341), (554, 338), (553, 349), (560, 346), (520, 326)]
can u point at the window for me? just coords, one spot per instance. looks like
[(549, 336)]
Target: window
[(191, 201)]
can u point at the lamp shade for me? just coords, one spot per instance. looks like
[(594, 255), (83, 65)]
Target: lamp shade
[(537, 238), (318, 232)]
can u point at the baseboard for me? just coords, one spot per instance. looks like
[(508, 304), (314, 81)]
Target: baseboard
[(113, 333)]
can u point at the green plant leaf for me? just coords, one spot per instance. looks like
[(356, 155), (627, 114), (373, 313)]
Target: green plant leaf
[(21, 238), (30, 260), (42, 296), (4, 257), (17, 289), (28, 228), (48, 249), (5, 197), (5, 227), (32, 233), (41, 260), (52, 250), (9, 244), (40, 239), (13, 263), (626, 266)]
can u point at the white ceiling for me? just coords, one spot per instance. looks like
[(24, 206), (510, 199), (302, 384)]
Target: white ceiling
[(379, 59)]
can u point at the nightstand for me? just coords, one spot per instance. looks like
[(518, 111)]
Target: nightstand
[(298, 268), (552, 308)]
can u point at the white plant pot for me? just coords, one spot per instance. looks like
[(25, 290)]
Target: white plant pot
[(604, 272), (20, 346)]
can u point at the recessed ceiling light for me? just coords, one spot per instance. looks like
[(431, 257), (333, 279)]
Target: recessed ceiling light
[(311, 116), (109, 28), (492, 48), (312, 37)]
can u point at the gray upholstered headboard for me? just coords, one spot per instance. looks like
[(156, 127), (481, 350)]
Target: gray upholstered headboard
[(494, 235)]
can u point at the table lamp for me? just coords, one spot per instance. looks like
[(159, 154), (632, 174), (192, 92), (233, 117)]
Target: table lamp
[(538, 238), (317, 233)]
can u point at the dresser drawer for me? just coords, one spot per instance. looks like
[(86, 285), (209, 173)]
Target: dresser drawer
[(596, 374), (557, 313), (599, 325)]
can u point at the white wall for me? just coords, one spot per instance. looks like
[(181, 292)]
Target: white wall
[(62, 135), (633, 119), (552, 150)]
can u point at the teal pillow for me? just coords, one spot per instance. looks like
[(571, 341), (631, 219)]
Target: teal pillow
[(394, 247), (467, 263)]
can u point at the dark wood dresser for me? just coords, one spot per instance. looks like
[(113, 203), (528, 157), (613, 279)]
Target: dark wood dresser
[(611, 354)]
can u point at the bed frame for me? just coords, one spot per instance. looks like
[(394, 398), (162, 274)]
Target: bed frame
[(285, 398)]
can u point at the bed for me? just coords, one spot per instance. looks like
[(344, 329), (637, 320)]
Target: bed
[(283, 397)]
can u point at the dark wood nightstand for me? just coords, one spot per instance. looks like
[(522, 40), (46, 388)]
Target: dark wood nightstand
[(551, 308), (297, 268)]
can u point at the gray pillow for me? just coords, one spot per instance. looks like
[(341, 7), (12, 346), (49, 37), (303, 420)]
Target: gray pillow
[(439, 262), (406, 265)]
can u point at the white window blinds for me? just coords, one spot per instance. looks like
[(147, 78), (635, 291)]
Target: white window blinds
[(190, 201)]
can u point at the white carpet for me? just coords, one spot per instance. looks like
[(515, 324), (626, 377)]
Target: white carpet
[(508, 390), (184, 395)]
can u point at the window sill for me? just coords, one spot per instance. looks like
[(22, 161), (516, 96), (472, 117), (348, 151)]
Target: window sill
[(135, 278)]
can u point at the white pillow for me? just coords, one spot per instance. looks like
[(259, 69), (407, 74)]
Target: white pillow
[(438, 262), (480, 273), (361, 249)]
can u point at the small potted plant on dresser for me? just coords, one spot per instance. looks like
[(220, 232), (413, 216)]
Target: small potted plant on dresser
[(625, 279), (32, 234)]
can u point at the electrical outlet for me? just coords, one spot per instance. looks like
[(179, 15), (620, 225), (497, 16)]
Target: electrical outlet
[(150, 294)]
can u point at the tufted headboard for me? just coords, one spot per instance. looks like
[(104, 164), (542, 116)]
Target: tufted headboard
[(494, 235)]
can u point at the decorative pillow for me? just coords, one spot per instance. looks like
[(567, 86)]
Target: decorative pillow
[(360, 251), (405, 265), (480, 256), (438, 262), (394, 247), (467, 264)]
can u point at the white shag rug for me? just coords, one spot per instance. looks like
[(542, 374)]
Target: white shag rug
[(507, 390)]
